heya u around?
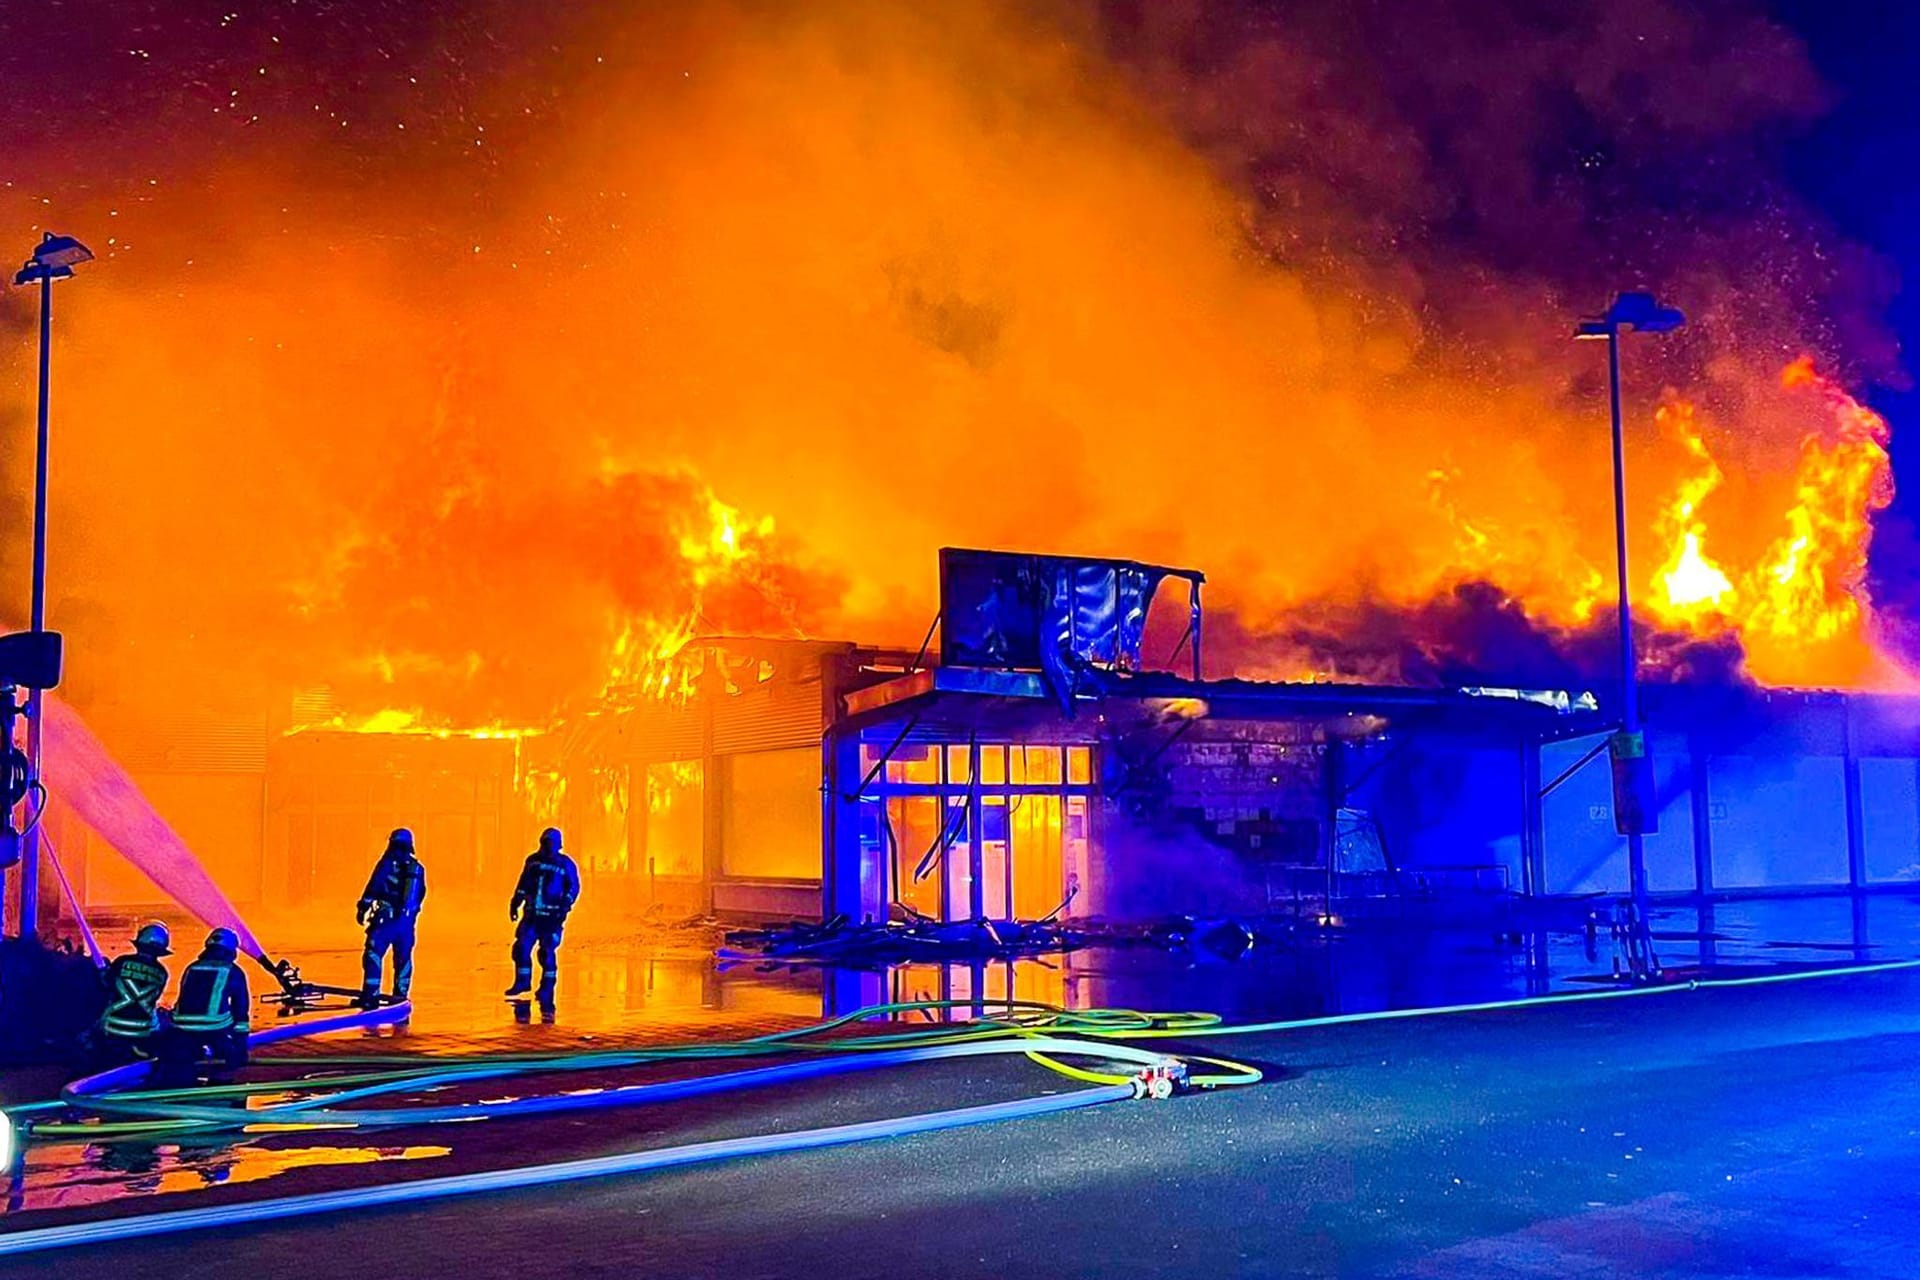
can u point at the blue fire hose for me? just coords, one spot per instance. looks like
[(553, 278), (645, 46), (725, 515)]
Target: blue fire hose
[(1025, 1028), (153, 1224)]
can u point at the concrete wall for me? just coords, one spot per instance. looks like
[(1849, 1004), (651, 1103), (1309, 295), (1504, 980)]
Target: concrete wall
[(1890, 819)]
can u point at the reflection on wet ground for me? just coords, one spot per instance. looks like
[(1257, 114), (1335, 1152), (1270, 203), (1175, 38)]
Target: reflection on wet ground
[(68, 1175), (665, 986)]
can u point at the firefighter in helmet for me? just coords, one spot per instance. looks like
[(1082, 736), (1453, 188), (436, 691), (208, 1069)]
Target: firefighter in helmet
[(213, 1014), (388, 908), (129, 1027), (549, 886)]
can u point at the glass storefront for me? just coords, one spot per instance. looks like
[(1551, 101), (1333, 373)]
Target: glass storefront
[(988, 830)]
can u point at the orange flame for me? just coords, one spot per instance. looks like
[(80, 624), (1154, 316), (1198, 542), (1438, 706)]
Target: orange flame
[(412, 721), (650, 659), (1690, 585), (1805, 594), (812, 285), (1811, 585)]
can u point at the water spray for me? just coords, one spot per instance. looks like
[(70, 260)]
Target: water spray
[(104, 796)]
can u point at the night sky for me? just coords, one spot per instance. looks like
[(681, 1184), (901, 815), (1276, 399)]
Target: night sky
[(1860, 164)]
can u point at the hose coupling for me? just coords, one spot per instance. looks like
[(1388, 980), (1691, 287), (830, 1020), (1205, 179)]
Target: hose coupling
[(1161, 1080)]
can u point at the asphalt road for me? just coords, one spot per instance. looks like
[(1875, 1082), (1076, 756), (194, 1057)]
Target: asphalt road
[(1768, 1131)]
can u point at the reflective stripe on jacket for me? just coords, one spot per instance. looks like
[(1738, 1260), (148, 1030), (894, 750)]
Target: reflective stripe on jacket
[(549, 885), (134, 986), (213, 997)]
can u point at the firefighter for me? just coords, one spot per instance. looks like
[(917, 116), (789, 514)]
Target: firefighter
[(211, 1016), (130, 1026), (549, 886), (388, 909)]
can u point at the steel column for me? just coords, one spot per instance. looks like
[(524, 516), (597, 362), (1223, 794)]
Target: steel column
[(1700, 790)]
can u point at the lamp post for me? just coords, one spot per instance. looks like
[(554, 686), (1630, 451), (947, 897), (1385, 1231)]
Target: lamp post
[(1637, 312), (54, 258)]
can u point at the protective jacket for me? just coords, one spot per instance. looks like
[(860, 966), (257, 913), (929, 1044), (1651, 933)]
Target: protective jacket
[(134, 986), (395, 890), (549, 885), (213, 998)]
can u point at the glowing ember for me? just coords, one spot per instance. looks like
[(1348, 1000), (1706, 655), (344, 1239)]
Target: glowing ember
[(415, 722)]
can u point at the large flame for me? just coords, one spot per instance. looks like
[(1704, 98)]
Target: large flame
[(1810, 584), (483, 395), (1800, 608), (1689, 583)]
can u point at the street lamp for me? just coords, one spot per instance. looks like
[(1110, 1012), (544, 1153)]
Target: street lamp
[(54, 258), (1632, 767)]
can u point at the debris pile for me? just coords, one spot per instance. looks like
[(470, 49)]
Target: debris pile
[(839, 941)]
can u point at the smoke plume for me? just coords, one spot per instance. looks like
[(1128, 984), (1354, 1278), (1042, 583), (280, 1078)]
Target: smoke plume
[(434, 347)]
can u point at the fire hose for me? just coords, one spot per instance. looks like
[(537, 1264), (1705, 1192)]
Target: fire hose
[(1042, 1033), (1039, 1032), (153, 1224), (1146, 1074)]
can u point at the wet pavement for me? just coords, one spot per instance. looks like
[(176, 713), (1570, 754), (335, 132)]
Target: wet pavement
[(665, 986), (1713, 1133)]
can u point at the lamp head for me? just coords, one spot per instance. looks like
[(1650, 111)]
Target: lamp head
[(1639, 312), (54, 258)]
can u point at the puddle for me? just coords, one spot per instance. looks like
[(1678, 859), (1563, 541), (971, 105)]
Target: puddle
[(68, 1175)]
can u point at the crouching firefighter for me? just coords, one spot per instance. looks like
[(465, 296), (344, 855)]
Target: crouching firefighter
[(130, 1026), (549, 886), (212, 1016), (388, 909)]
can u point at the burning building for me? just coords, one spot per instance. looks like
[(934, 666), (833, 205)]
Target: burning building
[(1036, 763), (502, 329)]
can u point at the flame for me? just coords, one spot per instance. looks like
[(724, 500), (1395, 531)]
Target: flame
[(1530, 558), (668, 783), (651, 658), (545, 789), (729, 542), (1692, 580), (410, 721), (736, 340), (1811, 584), (1804, 596), (1691, 586)]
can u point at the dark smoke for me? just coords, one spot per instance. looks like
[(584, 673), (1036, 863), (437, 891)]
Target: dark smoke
[(1484, 166), (1472, 635), (439, 305)]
